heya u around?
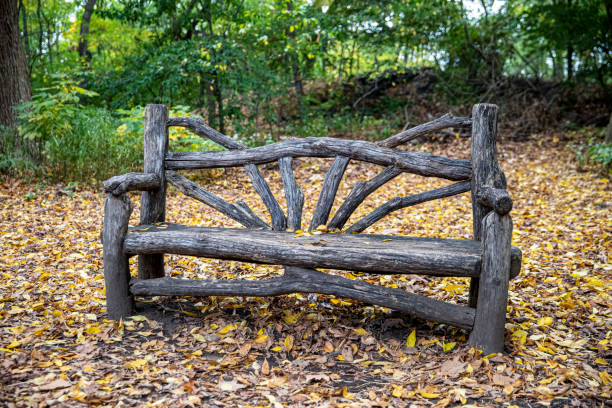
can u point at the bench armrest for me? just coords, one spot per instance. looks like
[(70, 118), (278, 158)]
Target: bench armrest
[(496, 198), (131, 182)]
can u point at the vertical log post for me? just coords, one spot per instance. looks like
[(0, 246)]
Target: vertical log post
[(488, 331), (485, 171), (153, 203), (117, 210)]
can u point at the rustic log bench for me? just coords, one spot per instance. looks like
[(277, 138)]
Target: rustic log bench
[(489, 259)]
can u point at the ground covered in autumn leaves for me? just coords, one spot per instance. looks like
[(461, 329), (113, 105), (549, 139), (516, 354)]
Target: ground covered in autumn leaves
[(57, 348)]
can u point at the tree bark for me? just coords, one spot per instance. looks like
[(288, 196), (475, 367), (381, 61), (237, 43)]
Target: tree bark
[(13, 65), (82, 48)]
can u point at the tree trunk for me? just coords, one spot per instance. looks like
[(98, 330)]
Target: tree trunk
[(83, 49), (570, 48), (13, 65)]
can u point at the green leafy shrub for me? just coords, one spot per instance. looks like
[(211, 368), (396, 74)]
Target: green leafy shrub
[(595, 151)]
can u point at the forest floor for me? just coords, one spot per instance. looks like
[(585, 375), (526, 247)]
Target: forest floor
[(58, 349)]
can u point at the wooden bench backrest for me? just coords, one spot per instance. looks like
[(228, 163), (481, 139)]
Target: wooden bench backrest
[(477, 174)]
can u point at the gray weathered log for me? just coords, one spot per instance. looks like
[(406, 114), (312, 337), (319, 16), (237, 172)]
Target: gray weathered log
[(153, 203), (200, 128), (488, 332), (293, 194), (402, 202), (496, 198), (485, 170), (360, 191), (131, 182), (413, 162), (358, 252), (279, 222), (259, 183), (442, 122), (119, 302), (363, 189), (232, 211), (303, 280), (328, 192)]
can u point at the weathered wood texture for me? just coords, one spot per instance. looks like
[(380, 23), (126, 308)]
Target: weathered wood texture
[(365, 253), (312, 281), (488, 332), (496, 198), (402, 202), (260, 185), (200, 128), (293, 194), (485, 171), (117, 210), (153, 203), (279, 222), (413, 162), (328, 192), (442, 122), (131, 182), (233, 211), (360, 191)]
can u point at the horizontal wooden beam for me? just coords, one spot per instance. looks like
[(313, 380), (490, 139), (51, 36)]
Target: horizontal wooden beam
[(414, 162), (131, 182), (302, 280), (356, 252), (200, 128)]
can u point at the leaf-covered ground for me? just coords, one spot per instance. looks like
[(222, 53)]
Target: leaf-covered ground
[(57, 348)]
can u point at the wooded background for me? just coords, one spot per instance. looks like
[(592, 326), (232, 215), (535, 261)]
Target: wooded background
[(268, 69)]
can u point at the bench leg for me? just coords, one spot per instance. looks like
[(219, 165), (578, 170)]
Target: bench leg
[(488, 331), (119, 301)]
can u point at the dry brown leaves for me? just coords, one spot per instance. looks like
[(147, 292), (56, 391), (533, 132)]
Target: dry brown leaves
[(57, 348)]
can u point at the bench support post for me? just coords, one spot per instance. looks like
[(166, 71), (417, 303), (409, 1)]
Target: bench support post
[(117, 210), (485, 171), (488, 331), (153, 203)]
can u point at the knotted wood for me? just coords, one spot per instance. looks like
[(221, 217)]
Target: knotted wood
[(131, 182)]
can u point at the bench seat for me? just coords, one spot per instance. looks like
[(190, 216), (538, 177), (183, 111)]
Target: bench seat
[(355, 252)]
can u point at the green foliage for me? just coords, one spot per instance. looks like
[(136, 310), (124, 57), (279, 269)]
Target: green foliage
[(594, 151)]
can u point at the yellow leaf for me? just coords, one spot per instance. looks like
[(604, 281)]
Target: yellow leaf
[(93, 330), (135, 364), (397, 390), (277, 348), (261, 338), (138, 318), (545, 321), (521, 334), (228, 328), (411, 340), (289, 342), (605, 377), (429, 394), (199, 337), (448, 346), (360, 331), (601, 361), (13, 344)]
